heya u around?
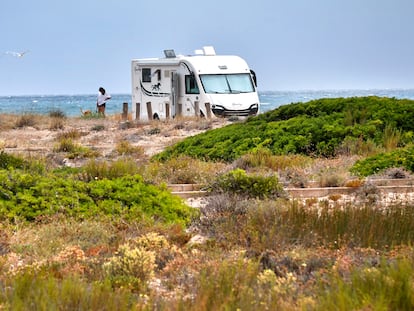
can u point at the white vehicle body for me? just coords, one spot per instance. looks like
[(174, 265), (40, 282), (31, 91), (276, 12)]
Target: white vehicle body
[(204, 84)]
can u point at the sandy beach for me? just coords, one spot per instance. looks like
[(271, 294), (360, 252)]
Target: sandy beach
[(40, 136)]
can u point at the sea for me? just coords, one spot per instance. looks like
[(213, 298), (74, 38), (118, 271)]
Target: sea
[(71, 105)]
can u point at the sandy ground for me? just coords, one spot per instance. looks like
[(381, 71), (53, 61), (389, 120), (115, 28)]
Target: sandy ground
[(101, 134)]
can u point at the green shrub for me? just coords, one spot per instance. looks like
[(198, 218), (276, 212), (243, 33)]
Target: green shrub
[(28, 196), (8, 161), (318, 127), (238, 182), (399, 158), (32, 165)]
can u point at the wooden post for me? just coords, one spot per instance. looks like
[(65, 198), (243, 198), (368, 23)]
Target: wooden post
[(179, 109), (208, 109), (167, 110), (197, 108), (149, 110), (125, 111), (137, 111)]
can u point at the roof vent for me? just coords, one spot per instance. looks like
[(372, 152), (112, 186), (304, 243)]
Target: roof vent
[(209, 50)]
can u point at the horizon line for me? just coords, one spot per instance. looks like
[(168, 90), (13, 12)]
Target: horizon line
[(259, 91)]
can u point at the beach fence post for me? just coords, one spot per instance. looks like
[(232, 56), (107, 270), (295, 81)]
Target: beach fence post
[(179, 109), (149, 110), (125, 111), (137, 111), (197, 108), (208, 109), (167, 110)]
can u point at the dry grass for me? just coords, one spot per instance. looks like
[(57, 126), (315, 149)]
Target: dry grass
[(110, 137), (10, 121)]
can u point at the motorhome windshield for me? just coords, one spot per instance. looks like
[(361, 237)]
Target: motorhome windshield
[(227, 83)]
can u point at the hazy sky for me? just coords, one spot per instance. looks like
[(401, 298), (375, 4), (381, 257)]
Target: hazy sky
[(78, 45)]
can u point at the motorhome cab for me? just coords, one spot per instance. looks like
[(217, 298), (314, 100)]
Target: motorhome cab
[(204, 84)]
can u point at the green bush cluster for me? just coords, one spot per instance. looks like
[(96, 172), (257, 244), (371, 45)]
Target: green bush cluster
[(240, 183), (403, 158), (10, 161), (318, 127), (27, 195)]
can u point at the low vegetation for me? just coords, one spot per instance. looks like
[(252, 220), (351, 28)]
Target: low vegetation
[(402, 157), (324, 127), (27, 195), (109, 235), (238, 182)]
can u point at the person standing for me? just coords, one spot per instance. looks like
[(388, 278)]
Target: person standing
[(103, 97)]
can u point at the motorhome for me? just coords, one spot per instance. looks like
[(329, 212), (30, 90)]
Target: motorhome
[(203, 84)]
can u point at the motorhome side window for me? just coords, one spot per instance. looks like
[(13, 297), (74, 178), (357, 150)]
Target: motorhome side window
[(146, 74), (191, 86)]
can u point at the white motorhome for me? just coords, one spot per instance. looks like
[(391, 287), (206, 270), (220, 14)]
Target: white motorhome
[(204, 84)]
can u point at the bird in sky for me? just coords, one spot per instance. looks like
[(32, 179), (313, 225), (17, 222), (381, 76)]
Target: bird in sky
[(17, 54)]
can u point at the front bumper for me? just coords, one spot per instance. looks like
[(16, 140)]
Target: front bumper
[(220, 111)]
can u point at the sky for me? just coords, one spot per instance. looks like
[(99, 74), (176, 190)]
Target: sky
[(76, 46)]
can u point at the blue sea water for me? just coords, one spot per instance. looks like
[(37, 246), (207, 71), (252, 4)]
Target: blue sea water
[(71, 105)]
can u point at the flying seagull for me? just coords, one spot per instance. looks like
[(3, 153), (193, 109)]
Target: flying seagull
[(16, 54)]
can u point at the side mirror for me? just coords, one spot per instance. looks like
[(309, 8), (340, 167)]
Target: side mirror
[(253, 74)]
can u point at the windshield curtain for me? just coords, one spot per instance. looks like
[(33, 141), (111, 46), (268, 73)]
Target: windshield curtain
[(227, 84)]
